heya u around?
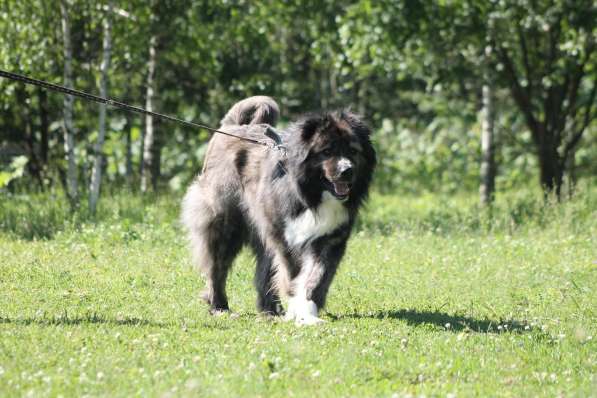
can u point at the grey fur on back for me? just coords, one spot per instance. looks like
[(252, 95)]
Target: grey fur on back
[(210, 208), (253, 110), (258, 109)]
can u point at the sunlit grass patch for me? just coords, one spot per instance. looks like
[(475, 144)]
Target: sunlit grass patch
[(428, 300)]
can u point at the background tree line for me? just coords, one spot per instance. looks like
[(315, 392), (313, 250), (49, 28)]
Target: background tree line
[(461, 94)]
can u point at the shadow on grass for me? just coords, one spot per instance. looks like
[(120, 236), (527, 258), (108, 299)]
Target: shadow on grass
[(96, 319), (454, 323)]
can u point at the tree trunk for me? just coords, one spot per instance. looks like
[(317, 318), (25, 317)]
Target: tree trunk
[(550, 167), (488, 166), (333, 84), (322, 89), (33, 164), (362, 97), (44, 126), (157, 163), (141, 146), (69, 134), (28, 136), (571, 172), (148, 150), (128, 173), (96, 174)]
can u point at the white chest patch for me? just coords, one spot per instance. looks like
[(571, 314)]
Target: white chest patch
[(313, 223)]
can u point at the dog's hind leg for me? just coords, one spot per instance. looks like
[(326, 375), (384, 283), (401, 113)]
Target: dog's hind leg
[(216, 235), (268, 299), (224, 241)]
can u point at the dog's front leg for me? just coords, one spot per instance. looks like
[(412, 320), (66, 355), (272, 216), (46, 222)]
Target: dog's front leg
[(301, 307)]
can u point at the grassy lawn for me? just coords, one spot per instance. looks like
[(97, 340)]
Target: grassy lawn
[(433, 297)]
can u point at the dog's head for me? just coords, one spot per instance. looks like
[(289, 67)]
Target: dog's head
[(335, 155)]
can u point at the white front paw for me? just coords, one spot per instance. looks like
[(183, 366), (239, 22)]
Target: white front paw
[(303, 312), (290, 316)]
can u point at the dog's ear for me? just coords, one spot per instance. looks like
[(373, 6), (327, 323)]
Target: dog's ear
[(309, 126), (314, 123), (356, 124)]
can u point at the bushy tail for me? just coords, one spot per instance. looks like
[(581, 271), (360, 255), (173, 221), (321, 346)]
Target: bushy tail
[(253, 110)]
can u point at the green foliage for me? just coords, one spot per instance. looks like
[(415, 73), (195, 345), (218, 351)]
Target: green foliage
[(16, 170), (414, 70), (428, 300)]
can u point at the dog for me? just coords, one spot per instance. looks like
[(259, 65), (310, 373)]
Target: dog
[(295, 209)]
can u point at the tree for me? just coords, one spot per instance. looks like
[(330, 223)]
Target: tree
[(27, 115), (414, 68), (96, 174), (148, 161), (546, 54), (148, 169), (488, 165), (69, 134)]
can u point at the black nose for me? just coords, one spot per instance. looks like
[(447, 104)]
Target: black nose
[(347, 173)]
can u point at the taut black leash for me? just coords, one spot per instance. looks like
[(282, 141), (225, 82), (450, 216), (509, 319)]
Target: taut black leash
[(269, 132)]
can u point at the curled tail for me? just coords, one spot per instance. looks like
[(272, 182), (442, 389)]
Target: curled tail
[(253, 110)]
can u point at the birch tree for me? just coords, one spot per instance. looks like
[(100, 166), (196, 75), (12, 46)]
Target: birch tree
[(488, 166), (69, 133), (96, 175), (149, 139)]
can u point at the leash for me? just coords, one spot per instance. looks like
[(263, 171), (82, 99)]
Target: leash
[(269, 132)]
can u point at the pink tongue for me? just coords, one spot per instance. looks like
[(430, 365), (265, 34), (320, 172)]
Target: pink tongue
[(341, 188)]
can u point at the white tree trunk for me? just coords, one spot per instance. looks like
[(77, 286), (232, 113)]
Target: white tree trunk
[(149, 138), (69, 139), (488, 167), (96, 174)]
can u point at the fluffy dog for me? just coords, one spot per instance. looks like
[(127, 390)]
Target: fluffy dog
[(295, 210)]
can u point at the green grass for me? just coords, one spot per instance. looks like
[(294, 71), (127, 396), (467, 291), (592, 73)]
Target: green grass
[(434, 297)]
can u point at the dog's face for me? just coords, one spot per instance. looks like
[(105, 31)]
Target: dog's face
[(339, 153)]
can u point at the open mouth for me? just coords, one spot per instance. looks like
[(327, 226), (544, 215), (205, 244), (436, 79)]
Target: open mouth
[(340, 189)]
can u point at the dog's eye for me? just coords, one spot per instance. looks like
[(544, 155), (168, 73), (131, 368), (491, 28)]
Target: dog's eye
[(327, 152), (353, 151)]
